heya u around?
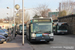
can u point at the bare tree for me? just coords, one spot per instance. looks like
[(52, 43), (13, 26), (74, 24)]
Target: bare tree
[(68, 6), (26, 16), (43, 10), (62, 13)]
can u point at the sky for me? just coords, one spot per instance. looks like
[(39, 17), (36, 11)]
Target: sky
[(52, 4)]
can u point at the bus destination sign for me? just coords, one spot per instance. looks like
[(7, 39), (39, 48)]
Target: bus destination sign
[(42, 20)]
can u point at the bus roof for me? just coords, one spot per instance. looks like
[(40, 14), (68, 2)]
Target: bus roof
[(42, 18), (21, 24), (35, 20), (60, 23)]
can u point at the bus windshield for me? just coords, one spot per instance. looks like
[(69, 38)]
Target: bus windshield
[(43, 27), (20, 27), (62, 27)]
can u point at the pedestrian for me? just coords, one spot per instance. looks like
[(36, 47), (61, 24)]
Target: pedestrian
[(13, 31)]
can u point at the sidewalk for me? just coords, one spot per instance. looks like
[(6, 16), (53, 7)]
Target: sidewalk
[(16, 44)]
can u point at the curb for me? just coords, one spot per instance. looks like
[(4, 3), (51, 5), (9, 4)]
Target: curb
[(9, 38), (31, 47)]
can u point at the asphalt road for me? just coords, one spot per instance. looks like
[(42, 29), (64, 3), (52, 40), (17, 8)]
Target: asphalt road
[(61, 42)]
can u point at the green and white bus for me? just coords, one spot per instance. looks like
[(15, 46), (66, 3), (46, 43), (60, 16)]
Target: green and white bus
[(60, 28), (19, 29), (40, 29)]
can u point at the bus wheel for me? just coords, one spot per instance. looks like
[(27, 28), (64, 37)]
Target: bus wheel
[(55, 33), (32, 42), (27, 38), (47, 41)]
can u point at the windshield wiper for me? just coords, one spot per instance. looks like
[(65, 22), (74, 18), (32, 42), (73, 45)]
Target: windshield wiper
[(39, 31), (47, 32)]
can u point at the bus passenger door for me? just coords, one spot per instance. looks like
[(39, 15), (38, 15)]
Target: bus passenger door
[(56, 29)]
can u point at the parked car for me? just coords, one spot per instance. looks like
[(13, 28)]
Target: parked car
[(5, 30), (2, 39), (3, 33)]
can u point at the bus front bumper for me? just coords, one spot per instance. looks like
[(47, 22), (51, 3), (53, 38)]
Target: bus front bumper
[(42, 39), (61, 32)]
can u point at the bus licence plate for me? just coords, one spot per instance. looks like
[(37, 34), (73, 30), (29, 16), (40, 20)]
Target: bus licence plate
[(42, 40)]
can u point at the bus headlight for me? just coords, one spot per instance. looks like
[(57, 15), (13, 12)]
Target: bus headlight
[(33, 35), (66, 31), (51, 34), (58, 31)]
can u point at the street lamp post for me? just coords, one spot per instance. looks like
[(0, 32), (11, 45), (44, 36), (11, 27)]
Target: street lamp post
[(8, 20), (17, 7), (14, 18), (23, 21)]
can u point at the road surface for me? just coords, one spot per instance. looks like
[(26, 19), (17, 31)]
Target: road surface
[(61, 42)]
